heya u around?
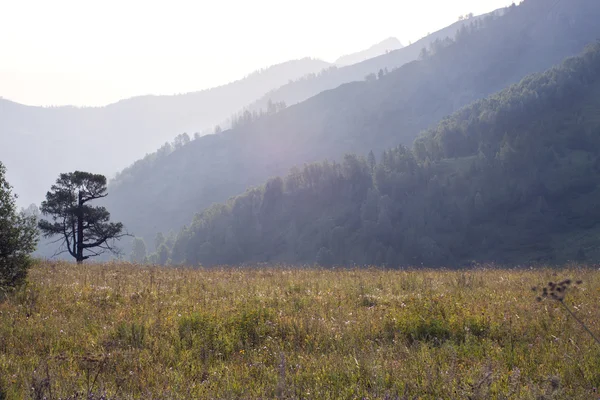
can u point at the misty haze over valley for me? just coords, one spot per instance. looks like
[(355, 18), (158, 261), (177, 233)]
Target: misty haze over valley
[(333, 199), (169, 159), (132, 128)]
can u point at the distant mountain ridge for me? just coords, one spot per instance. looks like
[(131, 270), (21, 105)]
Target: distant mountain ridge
[(334, 76), (105, 139), (513, 178), (488, 55), (383, 47), (131, 128)]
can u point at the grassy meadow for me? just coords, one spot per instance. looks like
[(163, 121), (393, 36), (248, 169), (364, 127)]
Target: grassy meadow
[(121, 331)]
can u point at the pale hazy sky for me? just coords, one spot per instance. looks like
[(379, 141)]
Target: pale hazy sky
[(80, 52)]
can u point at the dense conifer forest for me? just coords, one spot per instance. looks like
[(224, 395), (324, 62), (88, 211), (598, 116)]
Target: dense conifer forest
[(511, 178), (487, 55)]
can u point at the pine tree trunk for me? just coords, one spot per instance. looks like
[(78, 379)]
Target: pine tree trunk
[(80, 229)]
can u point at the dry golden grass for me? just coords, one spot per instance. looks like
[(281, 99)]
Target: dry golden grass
[(132, 331)]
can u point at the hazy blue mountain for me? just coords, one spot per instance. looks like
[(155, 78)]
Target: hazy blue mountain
[(39, 143), (332, 77), (131, 128), (513, 178), (161, 192), (383, 47)]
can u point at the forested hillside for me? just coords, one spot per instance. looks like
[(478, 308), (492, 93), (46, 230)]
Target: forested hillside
[(512, 178), (132, 128), (162, 192), (106, 139)]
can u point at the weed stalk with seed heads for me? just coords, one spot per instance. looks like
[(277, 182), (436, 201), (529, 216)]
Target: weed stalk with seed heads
[(557, 291)]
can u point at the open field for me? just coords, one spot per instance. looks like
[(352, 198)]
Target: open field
[(138, 332)]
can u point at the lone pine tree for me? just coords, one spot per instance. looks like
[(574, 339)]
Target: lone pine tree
[(83, 229)]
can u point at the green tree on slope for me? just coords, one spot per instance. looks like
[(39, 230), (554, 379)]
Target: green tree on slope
[(18, 238)]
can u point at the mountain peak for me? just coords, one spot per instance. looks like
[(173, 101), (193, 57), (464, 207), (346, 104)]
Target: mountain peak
[(378, 49)]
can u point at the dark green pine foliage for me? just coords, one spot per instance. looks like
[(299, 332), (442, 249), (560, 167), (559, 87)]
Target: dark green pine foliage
[(512, 178), (18, 238), (83, 230)]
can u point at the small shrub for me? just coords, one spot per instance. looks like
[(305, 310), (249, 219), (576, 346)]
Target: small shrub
[(251, 327), (368, 301), (206, 336), (428, 330), (434, 329), (132, 335), (415, 329), (478, 327)]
